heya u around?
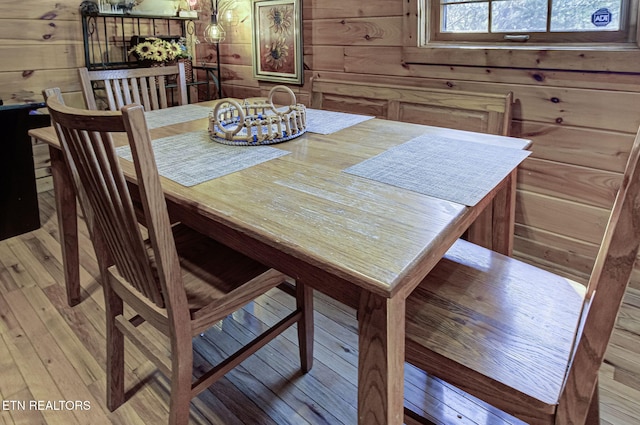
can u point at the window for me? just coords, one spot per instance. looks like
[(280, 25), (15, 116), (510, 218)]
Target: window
[(531, 21)]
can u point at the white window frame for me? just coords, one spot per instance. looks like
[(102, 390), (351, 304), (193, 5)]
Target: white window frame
[(433, 10)]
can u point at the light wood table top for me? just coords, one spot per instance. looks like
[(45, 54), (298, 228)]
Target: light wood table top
[(364, 243)]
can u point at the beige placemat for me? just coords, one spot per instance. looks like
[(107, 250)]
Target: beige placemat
[(192, 158), (327, 122), (454, 170), (175, 115)]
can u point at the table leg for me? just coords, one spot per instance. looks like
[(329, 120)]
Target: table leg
[(481, 230), (381, 323), (504, 216), (67, 224), (494, 227)]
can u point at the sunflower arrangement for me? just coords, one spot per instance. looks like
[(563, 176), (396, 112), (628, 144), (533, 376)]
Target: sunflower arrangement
[(159, 50)]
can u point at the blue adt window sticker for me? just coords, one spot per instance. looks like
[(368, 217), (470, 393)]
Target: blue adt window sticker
[(601, 17)]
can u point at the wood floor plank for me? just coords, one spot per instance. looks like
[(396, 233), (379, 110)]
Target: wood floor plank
[(254, 388), (12, 382), (124, 415), (7, 282), (40, 383), (277, 371), (7, 319), (71, 369), (75, 352), (240, 408), (32, 265), (19, 416), (14, 267), (87, 320), (620, 398), (36, 245), (321, 384)]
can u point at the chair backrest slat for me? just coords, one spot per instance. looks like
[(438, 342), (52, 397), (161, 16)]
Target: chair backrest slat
[(144, 91), (145, 86), (135, 91), (605, 292), (126, 91), (88, 147)]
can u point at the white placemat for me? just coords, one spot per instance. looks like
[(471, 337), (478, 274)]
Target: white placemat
[(327, 122), (192, 158), (175, 115), (454, 170)]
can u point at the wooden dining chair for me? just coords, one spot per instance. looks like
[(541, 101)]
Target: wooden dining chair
[(522, 339), (177, 281), (144, 86)]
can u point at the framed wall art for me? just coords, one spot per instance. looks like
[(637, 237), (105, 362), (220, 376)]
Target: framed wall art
[(277, 40)]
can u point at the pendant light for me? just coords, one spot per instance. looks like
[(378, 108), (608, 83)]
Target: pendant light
[(214, 33)]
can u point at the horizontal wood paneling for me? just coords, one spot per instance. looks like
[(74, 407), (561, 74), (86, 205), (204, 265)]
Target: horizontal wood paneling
[(324, 58), (587, 147), (12, 84), (567, 218), (570, 257), (605, 59), (323, 9), (570, 182), (388, 61), (42, 57), (240, 33), (46, 32), (238, 75), (386, 31), (41, 9), (231, 54)]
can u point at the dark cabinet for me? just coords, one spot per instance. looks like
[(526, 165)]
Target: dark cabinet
[(18, 196)]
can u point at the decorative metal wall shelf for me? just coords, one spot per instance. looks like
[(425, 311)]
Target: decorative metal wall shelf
[(107, 39), (107, 36)]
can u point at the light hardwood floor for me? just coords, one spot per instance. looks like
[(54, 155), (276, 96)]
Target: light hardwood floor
[(53, 355)]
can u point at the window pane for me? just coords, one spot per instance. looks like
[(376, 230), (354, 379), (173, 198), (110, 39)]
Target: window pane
[(577, 15), (519, 16), (465, 17)]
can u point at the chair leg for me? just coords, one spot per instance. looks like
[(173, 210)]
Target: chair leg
[(181, 378), (304, 302), (115, 349), (593, 415)]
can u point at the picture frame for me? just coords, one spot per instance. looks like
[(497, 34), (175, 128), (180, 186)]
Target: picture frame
[(277, 41)]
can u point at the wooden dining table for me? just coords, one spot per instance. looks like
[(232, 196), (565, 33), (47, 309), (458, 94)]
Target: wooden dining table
[(362, 242)]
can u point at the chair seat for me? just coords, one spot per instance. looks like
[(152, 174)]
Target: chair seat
[(210, 269), (476, 318)]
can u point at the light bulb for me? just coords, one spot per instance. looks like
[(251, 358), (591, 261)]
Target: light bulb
[(214, 33)]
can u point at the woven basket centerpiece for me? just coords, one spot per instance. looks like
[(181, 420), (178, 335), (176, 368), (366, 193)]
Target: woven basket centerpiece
[(258, 122)]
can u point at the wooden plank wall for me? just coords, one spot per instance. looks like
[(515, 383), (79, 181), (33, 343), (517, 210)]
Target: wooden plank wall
[(41, 46), (581, 123)]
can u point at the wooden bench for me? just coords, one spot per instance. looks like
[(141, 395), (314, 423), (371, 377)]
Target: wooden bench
[(461, 110), (473, 111), (522, 339)]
